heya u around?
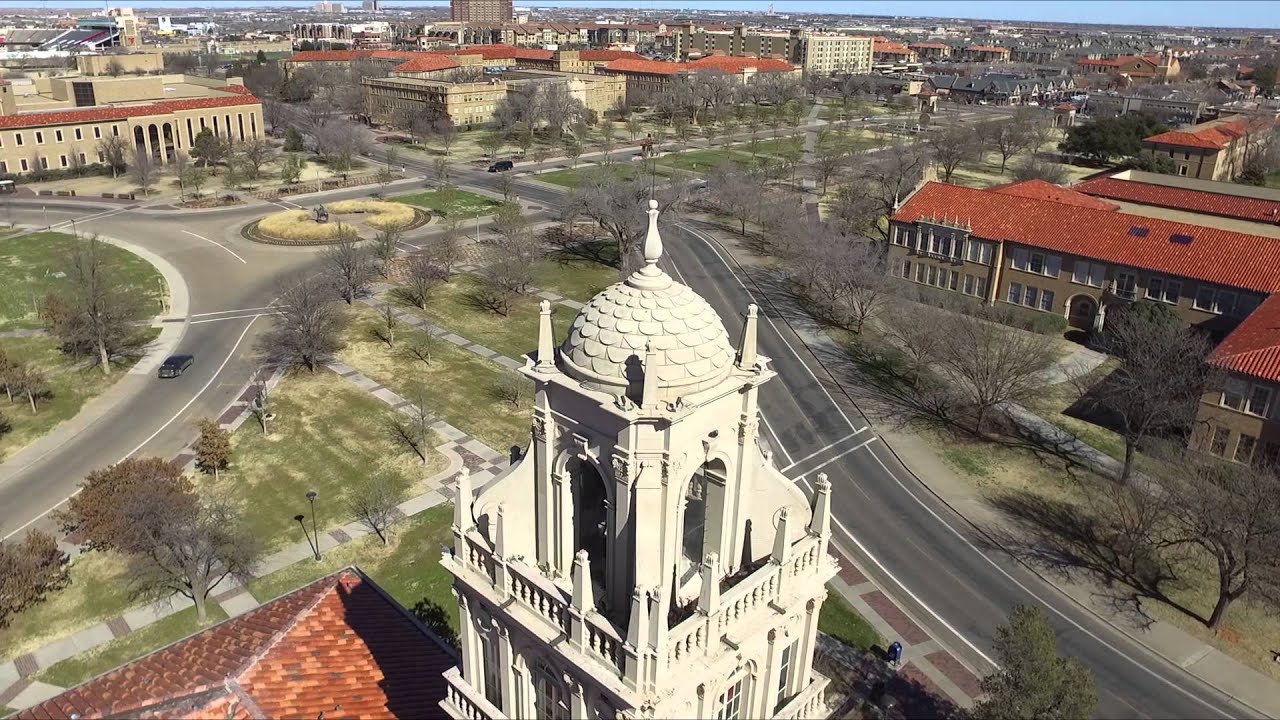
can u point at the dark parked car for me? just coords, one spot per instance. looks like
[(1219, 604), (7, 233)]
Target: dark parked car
[(175, 365), (501, 166)]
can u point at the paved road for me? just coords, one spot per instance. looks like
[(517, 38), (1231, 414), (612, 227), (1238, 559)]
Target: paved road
[(922, 546), (229, 279)]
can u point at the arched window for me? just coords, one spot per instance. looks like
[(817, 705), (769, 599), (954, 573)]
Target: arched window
[(590, 515), (549, 697), (732, 703)]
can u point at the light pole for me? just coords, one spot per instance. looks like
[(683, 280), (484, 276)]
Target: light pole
[(315, 547), (299, 518)]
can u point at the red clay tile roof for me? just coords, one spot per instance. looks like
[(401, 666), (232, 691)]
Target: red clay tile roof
[(337, 643), (1253, 348), (1214, 135), (1217, 256), (235, 89), (607, 54), (929, 46), (889, 47), (492, 52), (309, 56), (425, 62), (1041, 190), (738, 64), (988, 48), (107, 114), (1199, 201), (647, 67)]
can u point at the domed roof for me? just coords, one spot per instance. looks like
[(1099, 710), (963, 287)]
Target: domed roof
[(648, 317)]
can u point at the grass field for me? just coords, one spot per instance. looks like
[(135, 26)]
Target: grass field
[(77, 669), (457, 386), (465, 204), (328, 436), (407, 567), (72, 383), (842, 622), (574, 278), (626, 170), (37, 263), (96, 593)]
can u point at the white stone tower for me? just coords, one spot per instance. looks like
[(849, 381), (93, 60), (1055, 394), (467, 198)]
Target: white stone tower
[(644, 559)]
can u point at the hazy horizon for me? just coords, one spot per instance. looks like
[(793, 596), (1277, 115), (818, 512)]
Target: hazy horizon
[(1251, 14)]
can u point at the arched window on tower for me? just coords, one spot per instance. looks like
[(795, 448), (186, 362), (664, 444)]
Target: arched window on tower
[(590, 515), (548, 695)]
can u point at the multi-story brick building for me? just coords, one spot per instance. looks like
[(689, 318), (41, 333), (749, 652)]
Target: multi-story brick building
[(1214, 150), (986, 54), (829, 53), (645, 78), (931, 51), (1057, 251), (480, 11), (887, 51), (1239, 419), (1169, 111), (54, 123)]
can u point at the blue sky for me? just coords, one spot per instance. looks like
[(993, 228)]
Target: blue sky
[(1232, 13)]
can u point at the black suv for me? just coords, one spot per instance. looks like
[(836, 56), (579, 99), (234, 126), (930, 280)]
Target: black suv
[(175, 365), (501, 166)]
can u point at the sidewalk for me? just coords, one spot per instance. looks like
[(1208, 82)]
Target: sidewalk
[(1201, 660)]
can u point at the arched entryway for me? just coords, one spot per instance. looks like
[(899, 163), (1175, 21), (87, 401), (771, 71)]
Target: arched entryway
[(1081, 311), (702, 515)]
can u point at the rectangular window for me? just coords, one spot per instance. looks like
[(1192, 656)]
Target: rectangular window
[(18, 137), (1035, 262), (784, 675), (1259, 400), (547, 697), (906, 269), (1219, 445), (1046, 301), (955, 280), (1018, 259), (1225, 302), (57, 135), (23, 164), (731, 701), (62, 160), (39, 138), (82, 160), (1245, 304), (921, 272), (4, 167), (1204, 298), (1015, 293), (1233, 392), (1087, 273), (97, 132), (44, 163), (1033, 296), (1155, 287), (933, 274), (1172, 291), (1127, 285), (1244, 448), (79, 135), (980, 252), (970, 284)]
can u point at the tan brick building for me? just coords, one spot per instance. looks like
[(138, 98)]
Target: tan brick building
[(825, 54), (1241, 421), (55, 123), (1214, 150)]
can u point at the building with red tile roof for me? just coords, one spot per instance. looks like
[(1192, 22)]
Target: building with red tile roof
[(742, 65), (339, 647), (931, 51), (1214, 150), (1041, 190), (986, 53), (1219, 204), (424, 65), (1235, 421), (892, 51)]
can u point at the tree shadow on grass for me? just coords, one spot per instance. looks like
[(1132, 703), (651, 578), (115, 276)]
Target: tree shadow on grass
[(1072, 542)]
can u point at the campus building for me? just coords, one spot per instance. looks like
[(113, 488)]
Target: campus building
[(644, 557), (647, 78), (1052, 250), (828, 54), (1215, 150), (480, 11), (55, 123)]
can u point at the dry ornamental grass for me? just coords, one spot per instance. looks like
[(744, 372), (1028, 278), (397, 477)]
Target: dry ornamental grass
[(380, 215)]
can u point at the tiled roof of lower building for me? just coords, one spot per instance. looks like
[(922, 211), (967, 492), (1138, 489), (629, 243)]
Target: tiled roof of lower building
[(1208, 203), (339, 647), (1213, 135), (1208, 254), (120, 112), (1253, 348), (1041, 190), (647, 67), (733, 64)]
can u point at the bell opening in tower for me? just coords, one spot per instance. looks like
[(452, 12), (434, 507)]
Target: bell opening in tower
[(591, 517)]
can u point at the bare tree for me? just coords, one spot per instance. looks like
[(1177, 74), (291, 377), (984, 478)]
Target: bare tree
[(350, 268), (994, 364), (188, 554), (446, 133), (386, 247), (421, 348), (255, 152), (1033, 168), (510, 387), (341, 141), (511, 272), (736, 192), (308, 329), (619, 206), (421, 277), (954, 146), (1158, 386), (827, 161), (410, 428), (98, 315), (889, 176), (142, 172), (386, 331), (849, 280), (1231, 512), (373, 503), (33, 384), (1008, 137)]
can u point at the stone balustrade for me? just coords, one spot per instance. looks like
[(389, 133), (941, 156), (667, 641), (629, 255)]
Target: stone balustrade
[(808, 704), (464, 702)]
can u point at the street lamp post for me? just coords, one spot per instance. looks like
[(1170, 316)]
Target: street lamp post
[(299, 518), (315, 547)]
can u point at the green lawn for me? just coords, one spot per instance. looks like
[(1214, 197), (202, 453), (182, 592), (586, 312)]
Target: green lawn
[(458, 385), (408, 567), (34, 264), (702, 160), (82, 667), (454, 306), (328, 436), (842, 622), (72, 383), (1273, 180), (625, 169), (574, 278), (465, 204)]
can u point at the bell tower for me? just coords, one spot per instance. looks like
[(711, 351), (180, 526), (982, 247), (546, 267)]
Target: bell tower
[(644, 558)]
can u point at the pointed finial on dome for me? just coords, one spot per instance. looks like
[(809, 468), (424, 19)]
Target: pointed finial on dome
[(652, 240), (649, 389)]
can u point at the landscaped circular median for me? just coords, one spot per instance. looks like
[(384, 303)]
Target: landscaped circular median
[(346, 219)]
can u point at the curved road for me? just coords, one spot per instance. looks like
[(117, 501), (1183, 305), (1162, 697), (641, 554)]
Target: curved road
[(920, 549)]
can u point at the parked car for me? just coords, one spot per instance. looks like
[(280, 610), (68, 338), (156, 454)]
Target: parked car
[(501, 166), (175, 365)]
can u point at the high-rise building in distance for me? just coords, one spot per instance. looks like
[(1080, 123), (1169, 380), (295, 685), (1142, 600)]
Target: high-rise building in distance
[(480, 11)]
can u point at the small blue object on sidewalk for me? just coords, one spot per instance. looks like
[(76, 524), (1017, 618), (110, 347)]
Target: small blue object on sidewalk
[(895, 653)]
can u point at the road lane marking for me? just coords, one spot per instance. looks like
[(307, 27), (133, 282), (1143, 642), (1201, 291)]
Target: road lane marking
[(768, 318), (777, 441), (224, 247), (151, 437), (233, 317), (966, 541), (238, 310), (823, 449), (408, 244), (859, 446)]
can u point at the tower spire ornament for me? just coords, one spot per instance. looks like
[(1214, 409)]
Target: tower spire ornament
[(651, 277)]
